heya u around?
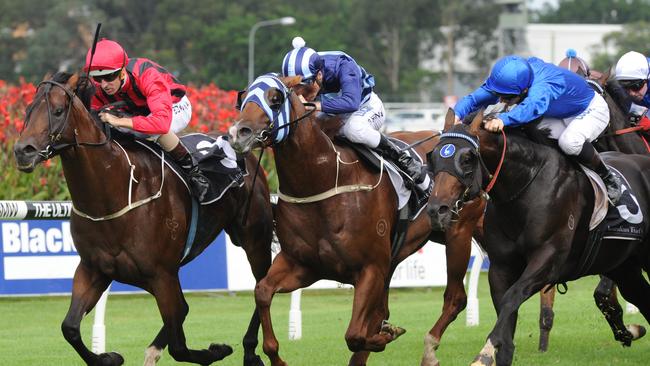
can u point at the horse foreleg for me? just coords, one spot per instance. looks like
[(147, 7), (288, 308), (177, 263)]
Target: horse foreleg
[(634, 288), (605, 298), (366, 331), (284, 276), (546, 315), (173, 309), (458, 249), (153, 353), (87, 288)]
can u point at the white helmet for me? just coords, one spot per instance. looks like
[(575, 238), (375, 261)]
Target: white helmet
[(632, 66)]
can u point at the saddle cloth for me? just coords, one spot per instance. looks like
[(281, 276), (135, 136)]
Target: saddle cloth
[(621, 222), (416, 198), (216, 159)]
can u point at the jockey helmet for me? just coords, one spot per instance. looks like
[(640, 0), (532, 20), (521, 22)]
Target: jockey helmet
[(302, 61), (510, 75), (109, 58), (632, 66), (574, 63)]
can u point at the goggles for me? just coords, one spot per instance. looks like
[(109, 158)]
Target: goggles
[(108, 77)]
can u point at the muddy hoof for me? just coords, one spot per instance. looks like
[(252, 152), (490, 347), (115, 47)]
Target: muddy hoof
[(253, 360), (110, 359), (220, 351), (483, 360), (391, 329)]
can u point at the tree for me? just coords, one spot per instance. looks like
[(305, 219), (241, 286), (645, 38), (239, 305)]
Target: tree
[(633, 37), (594, 12)]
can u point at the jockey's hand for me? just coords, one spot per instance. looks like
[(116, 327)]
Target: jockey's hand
[(316, 103), (116, 121), (493, 125)]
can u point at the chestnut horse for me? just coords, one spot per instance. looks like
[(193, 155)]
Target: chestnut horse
[(536, 225), (143, 246), (340, 231)]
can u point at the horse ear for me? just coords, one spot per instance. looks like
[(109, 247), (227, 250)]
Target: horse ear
[(602, 80), (450, 119), (73, 81), (47, 76), (476, 122), (291, 81)]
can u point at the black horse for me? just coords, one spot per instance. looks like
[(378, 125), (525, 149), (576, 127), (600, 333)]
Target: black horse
[(536, 227)]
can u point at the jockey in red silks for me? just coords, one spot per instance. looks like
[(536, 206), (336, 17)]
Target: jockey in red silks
[(154, 97), (340, 86)]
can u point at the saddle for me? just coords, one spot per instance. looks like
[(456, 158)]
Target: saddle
[(415, 198)]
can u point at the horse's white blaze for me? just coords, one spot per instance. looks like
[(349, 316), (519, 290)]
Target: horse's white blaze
[(431, 344), (151, 356)]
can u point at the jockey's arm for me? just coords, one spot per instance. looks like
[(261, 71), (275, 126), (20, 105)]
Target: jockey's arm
[(350, 94), (480, 97)]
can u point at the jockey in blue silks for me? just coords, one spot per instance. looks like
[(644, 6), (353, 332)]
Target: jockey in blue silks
[(338, 85), (573, 112)]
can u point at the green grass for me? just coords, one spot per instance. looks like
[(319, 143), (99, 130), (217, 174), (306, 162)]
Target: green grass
[(30, 331)]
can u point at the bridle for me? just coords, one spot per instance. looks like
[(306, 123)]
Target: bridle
[(54, 146)]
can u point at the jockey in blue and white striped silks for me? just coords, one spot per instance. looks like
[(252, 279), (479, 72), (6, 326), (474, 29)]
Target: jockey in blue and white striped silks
[(278, 116)]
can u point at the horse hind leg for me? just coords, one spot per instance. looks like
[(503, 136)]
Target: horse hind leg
[(546, 315), (154, 352), (171, 304), (87, 288), (636, 290)]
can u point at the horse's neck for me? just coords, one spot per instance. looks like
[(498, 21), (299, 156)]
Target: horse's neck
[(94, 174), (305, 159), (521, 163)]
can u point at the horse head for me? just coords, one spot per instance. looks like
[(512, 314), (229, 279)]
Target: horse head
[(50, 125), (266, 110), (457, 170)]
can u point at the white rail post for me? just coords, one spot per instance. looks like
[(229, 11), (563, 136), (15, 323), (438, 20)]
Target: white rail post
[(99, 329), (472, 312), (295, 316)]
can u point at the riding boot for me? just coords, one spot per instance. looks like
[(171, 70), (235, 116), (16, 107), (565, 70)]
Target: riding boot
[(198, 182), (410, 166), (590, 158)]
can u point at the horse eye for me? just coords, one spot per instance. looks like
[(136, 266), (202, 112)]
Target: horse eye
[(58, 112)]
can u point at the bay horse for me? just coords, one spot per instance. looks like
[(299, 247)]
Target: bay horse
[(143, 246), (618, 136), (536, 224), (343, 237)]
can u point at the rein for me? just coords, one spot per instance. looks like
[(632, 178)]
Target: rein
[(498, 170), (265, 134)]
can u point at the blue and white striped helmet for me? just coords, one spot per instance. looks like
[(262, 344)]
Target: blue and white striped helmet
[(302, 61)]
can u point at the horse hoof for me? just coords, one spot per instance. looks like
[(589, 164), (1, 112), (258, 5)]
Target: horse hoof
[(637, 331), (483, 360), (393, 330), (220, 351), (254, 360), (110, 359)]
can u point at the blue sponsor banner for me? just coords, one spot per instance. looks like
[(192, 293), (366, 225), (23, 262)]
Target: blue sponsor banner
[(39, 257)]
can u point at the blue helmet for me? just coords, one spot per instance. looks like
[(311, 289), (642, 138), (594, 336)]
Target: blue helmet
[(302, 61), (510, 75)]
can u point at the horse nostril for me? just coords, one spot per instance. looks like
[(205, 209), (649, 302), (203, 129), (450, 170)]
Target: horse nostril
[(244, 132), (25, 149), (443, 210)]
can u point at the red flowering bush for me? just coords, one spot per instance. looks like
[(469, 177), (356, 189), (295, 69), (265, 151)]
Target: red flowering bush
[(213, 110)]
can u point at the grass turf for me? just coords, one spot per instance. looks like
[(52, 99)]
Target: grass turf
[(30, 332)]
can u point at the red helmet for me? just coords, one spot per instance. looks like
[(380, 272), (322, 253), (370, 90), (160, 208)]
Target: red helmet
[(109, 57)]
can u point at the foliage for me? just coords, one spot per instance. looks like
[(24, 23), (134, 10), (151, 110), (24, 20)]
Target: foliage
[(633, 37), (207, 41), (594, 12), (212, 112)]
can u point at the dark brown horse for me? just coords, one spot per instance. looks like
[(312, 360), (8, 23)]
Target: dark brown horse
[(344, 237), (617, 137), (143, 246), (536, 226)]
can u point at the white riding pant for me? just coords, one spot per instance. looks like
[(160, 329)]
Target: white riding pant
[(363, 126), (572, 132)]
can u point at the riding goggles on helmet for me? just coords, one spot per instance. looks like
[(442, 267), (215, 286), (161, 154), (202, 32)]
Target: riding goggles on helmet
[(633, 85), (108, 77)]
